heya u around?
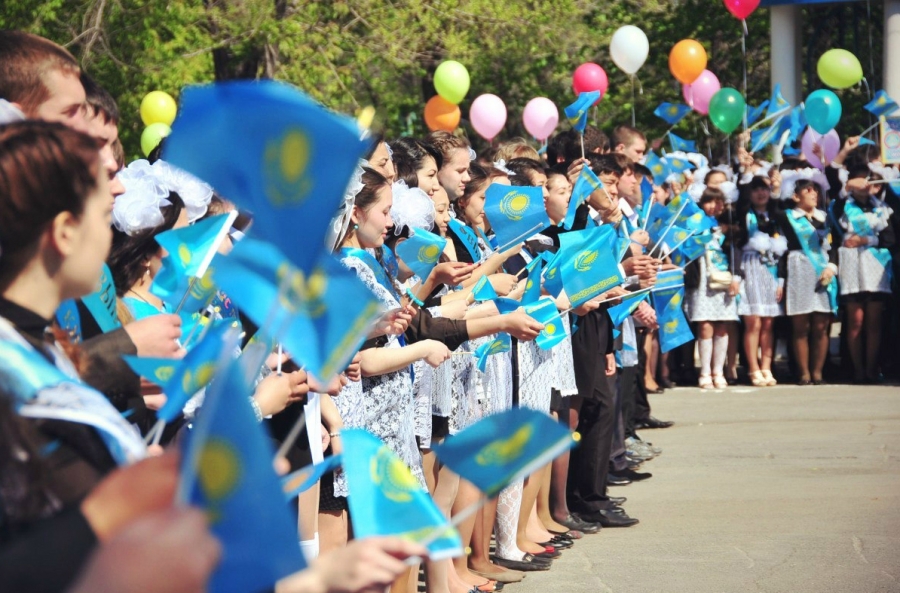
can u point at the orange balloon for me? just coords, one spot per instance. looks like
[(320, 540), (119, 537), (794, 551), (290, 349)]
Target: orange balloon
[(687, 61), (441, 114)]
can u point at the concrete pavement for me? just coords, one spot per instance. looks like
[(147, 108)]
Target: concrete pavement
[(785, 489)]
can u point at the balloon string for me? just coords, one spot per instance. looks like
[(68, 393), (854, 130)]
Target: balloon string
[(728, 149), (633, 121), (744, 55)]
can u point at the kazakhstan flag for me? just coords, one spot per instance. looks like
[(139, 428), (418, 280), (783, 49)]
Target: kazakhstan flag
[(754, 113), (585, 185), (589, 265), (515, 212), (777, 103), (272, 150), (484, 291), (658, 168), (881, 104), (668, 295), (544, 311), (501, 343), (194, 246), (577, 112), (386, 499), (671, 113), (305, 478), (421, 252), (533, 283), (628, 305), (680, 144), (500, 449)]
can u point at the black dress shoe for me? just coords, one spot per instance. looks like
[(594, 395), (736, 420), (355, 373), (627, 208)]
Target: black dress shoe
[(573, 522), (666, 384), (612, 519), (630, 474), (548, 555), (614, 480), (652, 422), (527, 564)]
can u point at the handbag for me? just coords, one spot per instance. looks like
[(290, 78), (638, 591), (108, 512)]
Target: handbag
[(716, 279)]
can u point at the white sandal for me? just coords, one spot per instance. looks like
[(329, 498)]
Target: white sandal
[(758, 380), (770, 380), (706, 382), (719, 382)]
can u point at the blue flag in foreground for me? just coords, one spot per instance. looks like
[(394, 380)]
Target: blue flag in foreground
[(754, 113), (515, 212), (777, 103), (194, 246), (584, 186), (321, 318), (577, 112), (501, 343), (227, 472), (544, 311), (421, 252), (505, 305), (483, 290), (618, 313), (272, 150), (305, 478), (588, 263), (668, 294), (386, 499), (680, 144), (671, 113), (500, 449), (180, 379), (533, 283), (881, 104)]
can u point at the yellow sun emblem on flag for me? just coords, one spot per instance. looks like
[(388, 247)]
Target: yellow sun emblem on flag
[(514, 205), (673, 109), (506, 450), (550, 329), (302, 293), (670, 326), (429, 254), (285, 162), (219, 473), (184, 254), (165, 373), (193, 382), (392, 476), (496, 347), (585, 259)]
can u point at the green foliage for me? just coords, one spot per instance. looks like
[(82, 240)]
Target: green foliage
[(353, 53)]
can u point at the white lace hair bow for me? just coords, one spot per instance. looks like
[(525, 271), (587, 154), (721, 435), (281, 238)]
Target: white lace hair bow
[(139, 207), (412, 208), (194, 192), (887, 173), (790, 177), (341, 222), (501, 166)]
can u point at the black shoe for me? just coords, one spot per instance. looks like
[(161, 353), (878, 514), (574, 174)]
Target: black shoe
[(652, 422), (574, 522), (548, 555), (559, 543), (630, 474), (611, 519), (666, 384), (614, 480), (804, 382), (618, 500), (527, 564)]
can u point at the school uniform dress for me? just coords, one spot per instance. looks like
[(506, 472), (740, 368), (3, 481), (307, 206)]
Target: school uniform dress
[(866, 271), (809, 253), (703, 303), (762, 246)]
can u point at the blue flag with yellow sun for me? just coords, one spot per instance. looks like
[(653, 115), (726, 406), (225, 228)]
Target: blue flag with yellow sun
[(588, 263), (533, 283), (270, 149), (502, 448), (321, 317), (227, 473), (194, 246), (754, 113), (680, 144), (386, 499), (577, 112), (777, 103), (305, 478), (501, 343), (181, 378), (671, 113), (667, 298), (881, 104), (544, 311), (421, 252), (585, 185), (515, 212), (618, 313), (658, 168), (484, 290)]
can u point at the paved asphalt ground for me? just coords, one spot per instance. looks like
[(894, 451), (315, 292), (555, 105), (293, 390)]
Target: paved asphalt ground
[(786, 489)]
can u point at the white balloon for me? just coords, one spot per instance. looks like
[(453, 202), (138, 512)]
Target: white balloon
[(629, 48)]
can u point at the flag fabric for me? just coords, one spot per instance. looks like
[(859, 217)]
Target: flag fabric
[(759, 139), (671, 113), (172, 286), (777, 102), (498, 450), (227, 472), (181, 378), (515, 212), (501, 343), (618, 313), (863, 141), (305, 478), (544, 312), (668, 294), (483, 290), (754, 113), (577, 112), (646, 190), (194, 246), (677, 164), (693, 248), (505, 305), (881, 104), (421, 252), (588, 263), (386, 499), (658, 168), (797, 124), (270, 149), (321, 318), (533, 283), (468, 237), (680, 144), (584, 186)]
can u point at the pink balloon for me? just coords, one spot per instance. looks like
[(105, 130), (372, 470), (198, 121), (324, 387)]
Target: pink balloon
[(699, 93), (590, 77), (488, 115), (830, 143), (540, 117), (741, 9)]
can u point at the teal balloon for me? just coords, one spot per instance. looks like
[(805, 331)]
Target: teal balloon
[(822, 110), (726, 109)]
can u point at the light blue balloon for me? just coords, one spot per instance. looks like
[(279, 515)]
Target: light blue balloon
[(822, 110)]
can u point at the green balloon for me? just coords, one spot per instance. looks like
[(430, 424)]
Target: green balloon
[(152, 136), (726, 109), (839, 69), (451, 81)]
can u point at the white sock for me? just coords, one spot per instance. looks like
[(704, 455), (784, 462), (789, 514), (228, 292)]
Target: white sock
[(706, 349), (720, 353), (310, 548)]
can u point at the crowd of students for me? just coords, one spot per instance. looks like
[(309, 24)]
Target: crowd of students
[(787, 241)]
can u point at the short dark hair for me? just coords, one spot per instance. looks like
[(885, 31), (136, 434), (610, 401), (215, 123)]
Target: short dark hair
[(625, 135), (24, 61), (523, 168), (605, 164), (712, 194), (99, 100)]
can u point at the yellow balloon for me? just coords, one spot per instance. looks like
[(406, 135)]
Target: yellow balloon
[(158, 107)]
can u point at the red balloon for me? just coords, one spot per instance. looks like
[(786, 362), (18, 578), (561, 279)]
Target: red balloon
[(741, 9), (590, 77)]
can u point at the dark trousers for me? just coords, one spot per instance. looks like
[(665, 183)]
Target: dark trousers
[(624, 393), (641, 410), (589, 461)]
